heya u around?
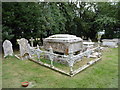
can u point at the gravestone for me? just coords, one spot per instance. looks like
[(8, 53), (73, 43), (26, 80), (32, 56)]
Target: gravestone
[(7, 47), (24, 47)]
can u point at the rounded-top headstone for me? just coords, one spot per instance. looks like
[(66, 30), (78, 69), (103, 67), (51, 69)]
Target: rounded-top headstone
[(7, 47)]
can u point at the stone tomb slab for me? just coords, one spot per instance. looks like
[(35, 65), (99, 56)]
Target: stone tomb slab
[(109, 42), (63, 43)]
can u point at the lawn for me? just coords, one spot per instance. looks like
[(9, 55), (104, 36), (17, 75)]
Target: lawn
[(103, 74)]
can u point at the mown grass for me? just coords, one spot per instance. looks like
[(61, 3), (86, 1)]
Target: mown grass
[(103, 74), (65, 67), (0, 71)]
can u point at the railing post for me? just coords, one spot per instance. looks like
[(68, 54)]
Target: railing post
[(88, 52), (38, 52), (51, 55), (99, 52), (70, 62)]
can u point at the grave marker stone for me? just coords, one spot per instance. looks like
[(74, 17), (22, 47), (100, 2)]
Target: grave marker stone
[(7, 47), (24, 47)]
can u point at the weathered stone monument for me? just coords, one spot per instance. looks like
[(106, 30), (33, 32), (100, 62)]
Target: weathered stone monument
[(63, 43), (24, 48), (62, 48), (110, 42), (7, 47)]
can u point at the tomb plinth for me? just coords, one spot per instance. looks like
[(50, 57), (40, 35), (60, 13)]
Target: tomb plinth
[(63, 43), (110, 42)]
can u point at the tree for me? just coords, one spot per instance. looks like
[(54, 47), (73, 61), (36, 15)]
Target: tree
[(106, 18), (19, 19), (42, 19)]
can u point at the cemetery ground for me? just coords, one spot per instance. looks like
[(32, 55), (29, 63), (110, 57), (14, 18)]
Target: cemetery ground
[(103, 74)]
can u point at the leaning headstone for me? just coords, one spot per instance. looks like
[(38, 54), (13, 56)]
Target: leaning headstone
[(24, 47), (7, 47)]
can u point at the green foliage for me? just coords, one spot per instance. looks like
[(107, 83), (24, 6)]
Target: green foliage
[(42, 19), (103, 22), (108, 19), (7, 33)]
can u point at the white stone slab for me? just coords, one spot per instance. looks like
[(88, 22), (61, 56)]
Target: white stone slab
[(7, 47), (63, 38), (110, 42), (88, 45)]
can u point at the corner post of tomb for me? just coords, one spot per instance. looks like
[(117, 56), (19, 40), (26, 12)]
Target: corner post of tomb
[(38, 52), (51, 55), (70, 62)]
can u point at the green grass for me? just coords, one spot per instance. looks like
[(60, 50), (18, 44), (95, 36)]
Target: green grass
[(65, 67), (103, 74)]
